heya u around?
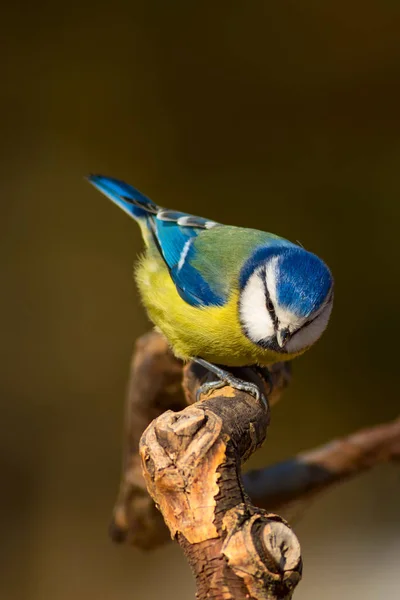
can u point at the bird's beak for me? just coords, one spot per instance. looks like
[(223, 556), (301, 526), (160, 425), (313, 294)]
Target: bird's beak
[(282, 336)]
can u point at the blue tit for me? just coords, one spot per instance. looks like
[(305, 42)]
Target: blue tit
[(225, 295)]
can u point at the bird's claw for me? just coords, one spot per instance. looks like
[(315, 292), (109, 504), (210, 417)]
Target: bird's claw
[(236, 383), (226, 378), (208, 387)]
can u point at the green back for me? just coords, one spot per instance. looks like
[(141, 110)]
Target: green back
[(221, 252)]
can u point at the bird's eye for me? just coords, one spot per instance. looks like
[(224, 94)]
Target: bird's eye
[(269, 305)]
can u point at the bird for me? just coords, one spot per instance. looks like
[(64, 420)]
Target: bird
[(224, 296)]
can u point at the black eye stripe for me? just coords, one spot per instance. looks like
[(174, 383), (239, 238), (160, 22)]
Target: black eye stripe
[(268, 302)]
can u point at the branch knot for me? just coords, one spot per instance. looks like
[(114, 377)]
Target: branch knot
[(263, 551)]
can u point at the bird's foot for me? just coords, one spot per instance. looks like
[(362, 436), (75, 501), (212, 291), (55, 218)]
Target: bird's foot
[(226, 378)]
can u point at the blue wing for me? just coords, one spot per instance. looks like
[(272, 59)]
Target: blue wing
[(174, 234)]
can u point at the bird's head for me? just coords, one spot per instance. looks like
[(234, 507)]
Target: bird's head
[(286, 296)]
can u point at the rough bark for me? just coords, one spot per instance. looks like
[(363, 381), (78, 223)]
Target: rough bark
[(154, 387), (192, 455), (192, 461)]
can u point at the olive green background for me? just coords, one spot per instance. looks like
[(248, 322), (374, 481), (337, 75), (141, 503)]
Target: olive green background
[(282, 116)]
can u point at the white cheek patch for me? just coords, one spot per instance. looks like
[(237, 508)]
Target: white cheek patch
[(310, 333), (253, 312)]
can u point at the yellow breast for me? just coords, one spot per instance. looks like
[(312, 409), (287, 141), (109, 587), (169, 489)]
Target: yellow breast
[(211, 332)]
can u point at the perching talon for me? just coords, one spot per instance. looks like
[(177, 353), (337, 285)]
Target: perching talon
[(227, 378)]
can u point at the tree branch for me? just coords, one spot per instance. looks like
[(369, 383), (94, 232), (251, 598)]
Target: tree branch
[(154, 387), (192, 463), (303, 477)]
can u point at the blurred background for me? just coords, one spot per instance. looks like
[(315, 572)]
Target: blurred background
[(281, 116)]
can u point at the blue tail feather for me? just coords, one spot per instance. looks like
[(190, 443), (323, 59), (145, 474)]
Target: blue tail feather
[(129, 199), (173, 234)]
